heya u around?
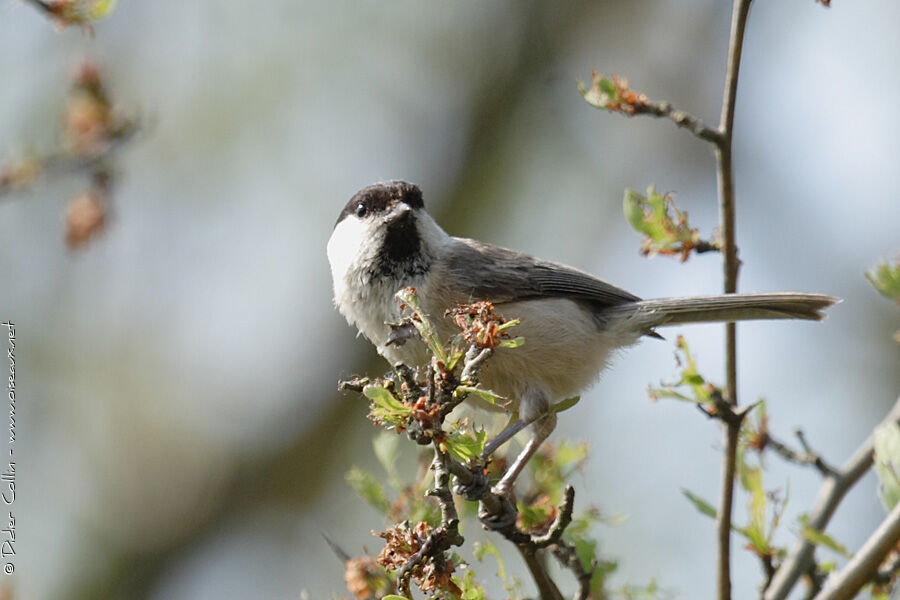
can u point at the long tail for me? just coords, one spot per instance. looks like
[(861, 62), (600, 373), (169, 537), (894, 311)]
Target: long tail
[(646, 314)]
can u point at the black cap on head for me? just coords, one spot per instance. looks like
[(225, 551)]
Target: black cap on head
[(381, 197)]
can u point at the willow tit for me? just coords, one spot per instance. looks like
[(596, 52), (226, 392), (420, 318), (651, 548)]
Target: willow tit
[(384, 240)]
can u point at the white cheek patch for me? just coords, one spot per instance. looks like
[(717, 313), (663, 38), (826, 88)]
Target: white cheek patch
[(344, 248)]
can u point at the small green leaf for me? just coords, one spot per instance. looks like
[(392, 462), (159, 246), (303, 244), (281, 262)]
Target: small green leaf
[(482, 549), (488, 395), (100, 9), (385, 406), (470, 590), (820, 538), (887, 463), (508, 324), (464, 447), (513, 343), (885, 277), (665, 228), (700, 504), (367, 487), (387, 448), (564, 405), (421, 322), (393, 597), (585, 548)]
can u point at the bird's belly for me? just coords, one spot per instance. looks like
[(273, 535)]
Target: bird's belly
[(564, 351)]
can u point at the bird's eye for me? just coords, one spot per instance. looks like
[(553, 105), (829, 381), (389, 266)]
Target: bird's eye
[(361, 210)]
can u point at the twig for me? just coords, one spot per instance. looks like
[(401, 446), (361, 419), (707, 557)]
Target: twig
[(563, 519), (679, 117), (887, 572), (725, 178), (42, 6), (830, 495), (566, 555), (442, 537), (864, 564), (546, 588), (807, 457)]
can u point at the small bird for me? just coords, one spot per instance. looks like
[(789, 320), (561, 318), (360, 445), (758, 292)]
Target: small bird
[(385, 240)]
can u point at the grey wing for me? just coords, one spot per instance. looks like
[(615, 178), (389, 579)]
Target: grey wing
[(488, 272)]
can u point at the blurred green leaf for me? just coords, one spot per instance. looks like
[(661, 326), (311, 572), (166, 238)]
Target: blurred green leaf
[(585, 548), (511, 323), (81, 12), (421, 322), (612, 94), (470, 590), (700, 504), (513, 343), (887, 463), (534, 516), (665, 228), (602, 571), (701, 391), (100, 9), (885, 277), (564, 405), (510, 584), (551, 468), (367, 487), (387, 448), (820, 538)]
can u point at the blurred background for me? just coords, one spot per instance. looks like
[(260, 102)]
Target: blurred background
[(179, 431)]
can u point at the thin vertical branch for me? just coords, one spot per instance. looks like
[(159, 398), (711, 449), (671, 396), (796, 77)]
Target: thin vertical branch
[(725, 176)]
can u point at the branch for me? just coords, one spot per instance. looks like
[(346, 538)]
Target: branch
[(614, 95), (442, 537), (566, 555), (846, 583), (680, 118), (42, 6), (807, 457), (830, 495), (729, 250)]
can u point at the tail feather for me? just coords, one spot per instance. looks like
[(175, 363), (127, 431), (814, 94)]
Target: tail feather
[(646, 314)]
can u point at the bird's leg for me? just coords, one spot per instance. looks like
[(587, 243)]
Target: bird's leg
[(542, 430), (511, 429), (535, 410)]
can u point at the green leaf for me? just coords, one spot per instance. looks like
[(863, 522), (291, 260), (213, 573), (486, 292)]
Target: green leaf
[(584, 549), (508, 324), (564, 405), (885, 277), (464, 447), (820, 538), (665, 228), (470, 589), (385, 406), (700, 504), (488, 395), (513, 343), (482, 549), (421, 322), (387, 448), (887, 463), (367, 487), (601, 94), (701, 391), (100, 9), (393, 597)]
